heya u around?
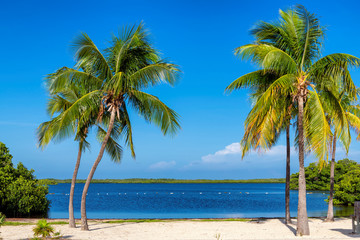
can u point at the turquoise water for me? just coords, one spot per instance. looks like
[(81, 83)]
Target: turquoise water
[(214, 200)]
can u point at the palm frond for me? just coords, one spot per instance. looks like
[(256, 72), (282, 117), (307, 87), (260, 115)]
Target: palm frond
[(316, 127), (155, 111), (89, 57), (113, 149), (68, 77), (256, 80)]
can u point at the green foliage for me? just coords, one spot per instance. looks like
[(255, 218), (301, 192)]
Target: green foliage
[(287, 54), (319, 179), (47, 181), (315, 179), (57, 235), (2, 218), (174, 220), (43, 228), (170, 180), (111, 80), (347, 180), (10, 223), (347, 191), (20, 193)]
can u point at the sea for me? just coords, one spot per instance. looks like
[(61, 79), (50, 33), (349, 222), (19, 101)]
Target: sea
[(190, 200)]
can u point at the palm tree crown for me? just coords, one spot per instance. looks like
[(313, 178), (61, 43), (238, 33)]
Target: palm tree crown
[(289, 51), (120, 74)]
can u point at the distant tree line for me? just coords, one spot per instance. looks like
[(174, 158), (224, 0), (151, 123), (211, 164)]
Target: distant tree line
[(52, 181), (21, 194), (347, 180)]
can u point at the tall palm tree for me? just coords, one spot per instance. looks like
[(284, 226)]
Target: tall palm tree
[(263, 133), (302, 74), (125, 69), (50, 130), (341, 130)]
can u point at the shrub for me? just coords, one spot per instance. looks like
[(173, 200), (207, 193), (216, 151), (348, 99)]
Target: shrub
[(2, 218), (347, 180), (43, 229), (21, 194), (319, 179), (347, 191)]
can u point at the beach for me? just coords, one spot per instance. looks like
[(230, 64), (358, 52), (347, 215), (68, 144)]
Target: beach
[(193, 229)]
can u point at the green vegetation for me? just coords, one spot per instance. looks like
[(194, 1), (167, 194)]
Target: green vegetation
[(59, 222), (43, 229), (319, 179), (166, 180), (10, 223), (173, 220), (294, 81), (2, 219), (53, 130), (346, 179), (21, 194), (115, 80), (18, 223), (347, 191)]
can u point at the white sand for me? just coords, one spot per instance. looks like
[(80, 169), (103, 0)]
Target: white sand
[(267, 229)]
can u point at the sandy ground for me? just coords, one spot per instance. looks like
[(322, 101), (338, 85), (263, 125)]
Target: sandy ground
[(262, 229)]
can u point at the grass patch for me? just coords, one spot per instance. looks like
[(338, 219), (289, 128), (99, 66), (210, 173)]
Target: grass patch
[(59, 223), (175, 220), (225, 220), (136, 220), (9, 223), (15, 223)]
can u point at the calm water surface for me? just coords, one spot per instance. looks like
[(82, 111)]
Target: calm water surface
[(215, 200)]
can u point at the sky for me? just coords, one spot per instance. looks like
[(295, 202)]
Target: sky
[(199, 36)]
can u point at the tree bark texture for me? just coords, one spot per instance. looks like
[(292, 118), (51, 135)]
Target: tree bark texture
[(72, 189), (287, 184), (84, 224), (302, 218), (330, 213)]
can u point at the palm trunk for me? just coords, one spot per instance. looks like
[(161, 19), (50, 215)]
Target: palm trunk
[(84, 224), (72, 189), (302, 218), (330, 213), (287, 184)]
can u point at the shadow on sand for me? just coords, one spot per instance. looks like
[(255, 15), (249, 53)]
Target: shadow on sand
[(66, 237), (346, 232), (112, 225)]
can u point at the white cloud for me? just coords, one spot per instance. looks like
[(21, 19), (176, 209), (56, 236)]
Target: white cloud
[(266, 164), (233, 152), (162, 165), (232, 149)]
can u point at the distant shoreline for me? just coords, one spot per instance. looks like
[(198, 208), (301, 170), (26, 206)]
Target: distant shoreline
[(164, 180)]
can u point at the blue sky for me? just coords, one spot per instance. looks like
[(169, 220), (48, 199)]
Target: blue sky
[(197, 35)]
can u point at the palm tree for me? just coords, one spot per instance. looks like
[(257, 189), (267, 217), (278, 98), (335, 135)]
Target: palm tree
[(43, 228), (124, 69), (349, 118), (300, 35), (263, 133), (50, 130)]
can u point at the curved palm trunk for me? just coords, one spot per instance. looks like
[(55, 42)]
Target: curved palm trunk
[(72, 189), (302, 219), (330, 213), (84, 224), (287, 184)]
